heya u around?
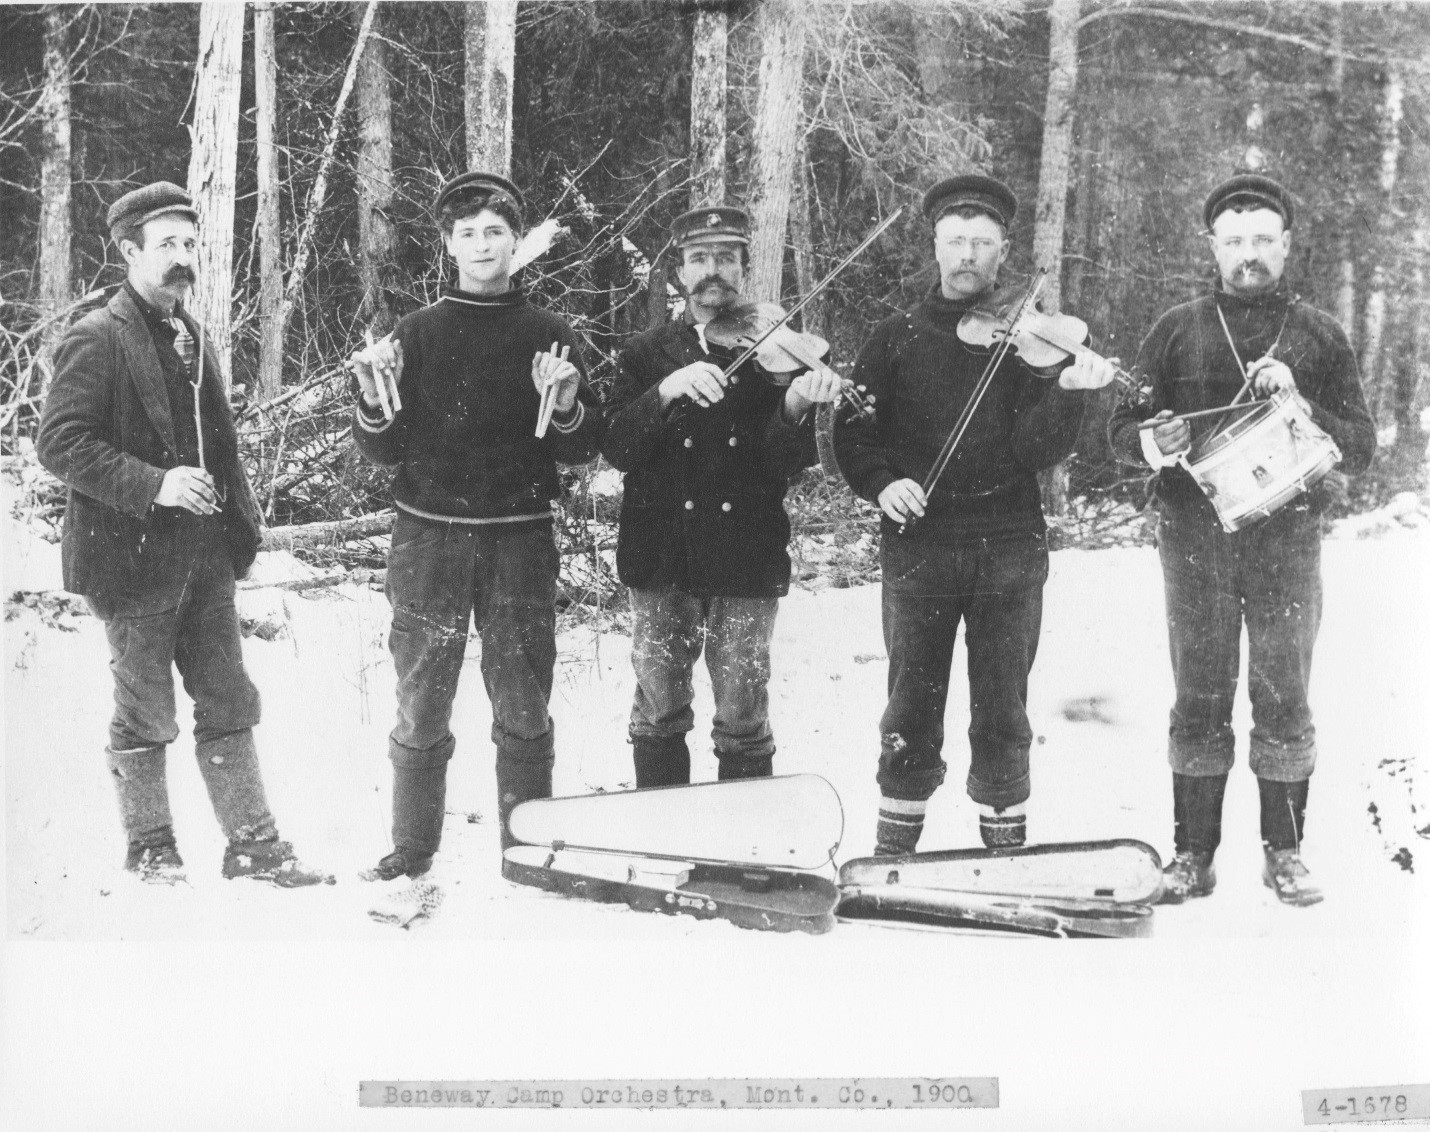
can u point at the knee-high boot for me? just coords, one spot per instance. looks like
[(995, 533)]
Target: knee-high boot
[(141, 785), (660, 760), (229, 765), (523, 774)]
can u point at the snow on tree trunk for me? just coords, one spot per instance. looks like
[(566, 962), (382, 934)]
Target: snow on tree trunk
[(377, 238), (270, 247), (1053, 191), (491, 57), (782, 25), (708, 86), (213, 167), (54, 110)]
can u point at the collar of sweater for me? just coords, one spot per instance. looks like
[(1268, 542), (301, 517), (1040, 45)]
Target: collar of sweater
[(944, 313), (509, 299), (1276, 299)]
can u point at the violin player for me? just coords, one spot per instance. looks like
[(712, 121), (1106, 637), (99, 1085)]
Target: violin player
[(975, 549), (703, 536), (1249, 331)]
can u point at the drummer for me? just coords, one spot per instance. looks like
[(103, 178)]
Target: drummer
[(1249, 335)]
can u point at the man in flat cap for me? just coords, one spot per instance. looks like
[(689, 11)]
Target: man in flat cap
[(703, 531), (459, 400), (159, 522), (975, 551), (1248, 331)]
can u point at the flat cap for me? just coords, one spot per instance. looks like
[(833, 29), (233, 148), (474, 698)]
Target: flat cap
[(478, 182), (158, 199), (718, 224), (972, 190), (1249, 190)]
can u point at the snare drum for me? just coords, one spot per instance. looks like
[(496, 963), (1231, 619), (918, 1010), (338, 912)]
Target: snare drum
[(1261, 461)]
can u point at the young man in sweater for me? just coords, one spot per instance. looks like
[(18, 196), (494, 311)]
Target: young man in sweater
[(975, 550), (474, 485), (1267, 574), (703, 530)]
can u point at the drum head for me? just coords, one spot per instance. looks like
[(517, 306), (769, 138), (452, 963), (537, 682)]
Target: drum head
[(1229, 434)]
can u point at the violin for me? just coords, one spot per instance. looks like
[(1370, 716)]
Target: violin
[(779, 349), (1040, 339)]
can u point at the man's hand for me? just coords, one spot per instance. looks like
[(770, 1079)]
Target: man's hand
[(190, 488), (813, 386), (903, 499), (1088, 371), (550, 368), (1173, 435), (379, 368), (703, 382), (1272, 376)]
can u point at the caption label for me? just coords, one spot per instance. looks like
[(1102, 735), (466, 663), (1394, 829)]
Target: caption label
[(806, 1092), (1366, 1104)]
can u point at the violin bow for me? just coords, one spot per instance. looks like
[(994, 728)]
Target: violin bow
[(966, 417), (815, 290)]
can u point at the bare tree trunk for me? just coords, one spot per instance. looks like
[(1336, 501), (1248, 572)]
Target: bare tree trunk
[(377, 238), (1053, 191), (1373, 371), (772, 160), (491, 57), (1346, 287), (213, 168), (708, 87), (54, 112), (270, 246)]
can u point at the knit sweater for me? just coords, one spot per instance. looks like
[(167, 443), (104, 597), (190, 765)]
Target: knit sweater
[(464, 441), (921, 376), (1190, 366)]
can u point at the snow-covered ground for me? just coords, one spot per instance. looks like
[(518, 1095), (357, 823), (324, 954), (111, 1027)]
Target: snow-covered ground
[(232, 1005)]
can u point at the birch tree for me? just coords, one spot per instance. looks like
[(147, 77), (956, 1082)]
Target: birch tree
[(377, 238), (54, 108), (782, 28), (1376, 312), (490, 61), (1053, 189), (213, 166), (708, 89), (270, 247)]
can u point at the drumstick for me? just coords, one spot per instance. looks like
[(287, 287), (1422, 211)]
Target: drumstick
[(1201, 413), (548, 395)]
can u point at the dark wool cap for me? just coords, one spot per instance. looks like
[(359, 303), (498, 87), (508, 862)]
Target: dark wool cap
[(1249, 189), (481, 182), (718, 224), (158, 199), (972, 190)]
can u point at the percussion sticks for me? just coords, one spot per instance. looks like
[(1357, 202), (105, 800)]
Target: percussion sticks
[(1203, 413)]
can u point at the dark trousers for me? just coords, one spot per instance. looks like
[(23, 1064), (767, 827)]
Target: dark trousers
[(1268, 576), (195, 629), (440, 578), (669, 630), (995, 587)]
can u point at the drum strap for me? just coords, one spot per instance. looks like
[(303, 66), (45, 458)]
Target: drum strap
[(1240, 365)]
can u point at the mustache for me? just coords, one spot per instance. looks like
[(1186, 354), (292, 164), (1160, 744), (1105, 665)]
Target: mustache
[(1253, 265), (712, 281), (179, 273)]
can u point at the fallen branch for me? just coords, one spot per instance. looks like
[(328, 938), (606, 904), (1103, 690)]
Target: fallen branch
[(308, 535), (329, 578)]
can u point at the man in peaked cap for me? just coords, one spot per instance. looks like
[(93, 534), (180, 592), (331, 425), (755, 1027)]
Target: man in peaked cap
[(452, 401), (1266, 574), (703, 531), (159, 522), (974, 550)]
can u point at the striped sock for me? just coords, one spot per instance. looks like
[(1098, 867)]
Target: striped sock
[(900, 823), (1005, 828)]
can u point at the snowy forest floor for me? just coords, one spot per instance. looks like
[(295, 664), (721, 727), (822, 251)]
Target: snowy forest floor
[(1099, 695)]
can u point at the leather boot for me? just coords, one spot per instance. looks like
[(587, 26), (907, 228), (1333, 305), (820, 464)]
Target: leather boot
[(733, 767), (660, 760), (1196, 811), (520, 780), (272, 861), (1283, 823), (1005, 828), (229, 765)]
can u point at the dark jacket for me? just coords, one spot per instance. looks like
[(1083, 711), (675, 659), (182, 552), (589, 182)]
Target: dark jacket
[(921, 375), (703, 508), (1190, 365), (464, 443), (107, 432)]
